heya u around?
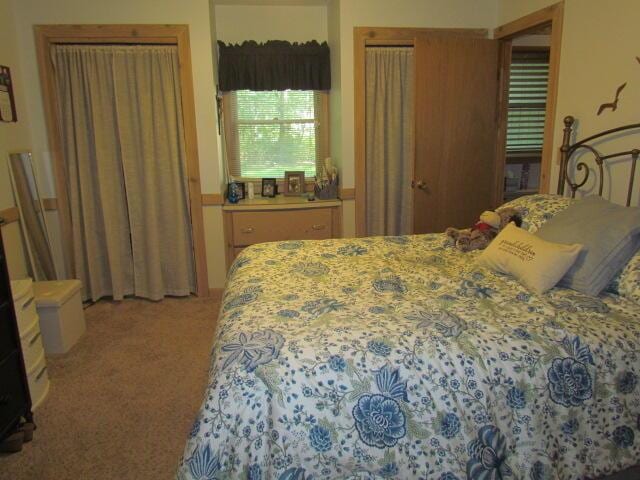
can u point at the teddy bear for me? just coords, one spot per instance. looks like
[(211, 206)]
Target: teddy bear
[(485, 230)]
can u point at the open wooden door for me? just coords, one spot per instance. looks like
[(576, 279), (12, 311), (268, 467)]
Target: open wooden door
[(456, 130)]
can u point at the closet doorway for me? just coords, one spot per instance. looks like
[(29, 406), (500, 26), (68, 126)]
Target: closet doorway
[(452, 173), (529, 70), (70, 53)]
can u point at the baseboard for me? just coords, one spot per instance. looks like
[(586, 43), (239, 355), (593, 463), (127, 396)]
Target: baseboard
[(216, 293)]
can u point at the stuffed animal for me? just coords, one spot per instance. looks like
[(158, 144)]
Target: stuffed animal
[(485, 230)]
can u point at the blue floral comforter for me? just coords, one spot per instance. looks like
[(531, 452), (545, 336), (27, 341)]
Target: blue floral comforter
[(394, 357)]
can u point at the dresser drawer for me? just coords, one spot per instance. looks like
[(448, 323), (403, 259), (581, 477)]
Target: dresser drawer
[(38, 382), (272, 226), (32, 348), (7, 337), (12, 395), (24, 304)]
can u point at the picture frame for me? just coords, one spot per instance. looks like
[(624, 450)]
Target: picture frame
[(7, 100), (236, 188), (269, 187), (294, 183)]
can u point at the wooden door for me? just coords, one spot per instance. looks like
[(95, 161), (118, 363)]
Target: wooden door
[(456, 130)]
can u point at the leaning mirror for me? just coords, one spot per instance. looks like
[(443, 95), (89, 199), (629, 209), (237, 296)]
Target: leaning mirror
[(32, 216)]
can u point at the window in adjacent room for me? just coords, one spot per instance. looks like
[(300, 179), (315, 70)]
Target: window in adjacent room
[(528, 83), (269, 132)]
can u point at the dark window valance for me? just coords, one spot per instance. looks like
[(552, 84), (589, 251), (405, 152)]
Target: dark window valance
[(274, 65)]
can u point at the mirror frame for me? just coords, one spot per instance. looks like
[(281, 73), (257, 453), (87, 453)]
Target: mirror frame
[(27, 158)]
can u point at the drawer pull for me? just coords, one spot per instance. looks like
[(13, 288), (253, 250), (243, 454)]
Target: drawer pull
[(26, 304), (319, 226), (5, 399), (35, 337), (44, 369), (247, 230)]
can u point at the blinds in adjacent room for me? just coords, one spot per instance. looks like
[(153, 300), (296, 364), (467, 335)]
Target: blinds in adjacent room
[(528, 84), (269, 132)]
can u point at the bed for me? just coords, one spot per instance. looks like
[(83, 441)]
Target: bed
[(399, 357)]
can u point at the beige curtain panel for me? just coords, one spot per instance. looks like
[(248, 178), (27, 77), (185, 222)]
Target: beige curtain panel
[(123, 144), (389, 138)]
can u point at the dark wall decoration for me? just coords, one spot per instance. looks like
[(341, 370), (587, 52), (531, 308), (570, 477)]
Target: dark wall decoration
[(7, 102), (612, 105)]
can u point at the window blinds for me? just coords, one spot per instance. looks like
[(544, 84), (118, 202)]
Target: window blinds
[(269, 132), (528, 84)]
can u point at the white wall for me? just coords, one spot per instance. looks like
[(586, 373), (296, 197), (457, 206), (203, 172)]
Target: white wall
[(237, 23), (335, 108), (194, 13), (599, 46), (13, 137)]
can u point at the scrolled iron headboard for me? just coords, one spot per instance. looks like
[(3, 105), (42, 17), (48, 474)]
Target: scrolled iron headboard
[(568, 149)]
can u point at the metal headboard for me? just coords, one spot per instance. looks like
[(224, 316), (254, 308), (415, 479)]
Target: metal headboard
[(568, 149)]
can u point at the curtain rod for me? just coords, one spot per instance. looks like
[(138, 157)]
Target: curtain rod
[(389, 46)]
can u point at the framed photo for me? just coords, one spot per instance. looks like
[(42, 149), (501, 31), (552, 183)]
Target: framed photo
[(293, 183), (235, 190), (7, 102), (269, 187)]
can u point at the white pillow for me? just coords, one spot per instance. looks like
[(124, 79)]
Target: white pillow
[(537, 264)]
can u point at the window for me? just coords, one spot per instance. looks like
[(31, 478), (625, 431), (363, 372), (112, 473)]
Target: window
[(270, 132), (527, 100)]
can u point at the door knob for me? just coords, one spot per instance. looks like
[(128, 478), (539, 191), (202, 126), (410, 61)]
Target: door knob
[(421, 184)]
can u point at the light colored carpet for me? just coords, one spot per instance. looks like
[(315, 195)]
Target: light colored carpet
[(122, 401)]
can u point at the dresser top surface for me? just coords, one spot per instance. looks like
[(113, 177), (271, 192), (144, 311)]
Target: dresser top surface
[(279, 202)]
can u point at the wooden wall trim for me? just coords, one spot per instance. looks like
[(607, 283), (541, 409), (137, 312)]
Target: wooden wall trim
[(552, 15), (531, 21), (363, 36), (212, 199), (552, 97), (50, 204), (178, 35), (360, 36), (502, 112), (347, 193), (10, 215), (405, 35), (216, 294)]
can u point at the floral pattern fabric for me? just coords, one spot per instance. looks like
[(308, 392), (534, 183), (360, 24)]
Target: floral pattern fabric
[(537, 209), (398, 357), (628, 282)]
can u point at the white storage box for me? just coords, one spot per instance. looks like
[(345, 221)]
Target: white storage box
[(61, 316)]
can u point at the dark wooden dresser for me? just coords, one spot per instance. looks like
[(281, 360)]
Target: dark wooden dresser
[(15, 402)]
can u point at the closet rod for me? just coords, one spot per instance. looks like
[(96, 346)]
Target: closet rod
[(389, 42), (389, 46), (113, 44)]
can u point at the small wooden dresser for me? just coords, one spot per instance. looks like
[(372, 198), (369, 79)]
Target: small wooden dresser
[(276, 219)]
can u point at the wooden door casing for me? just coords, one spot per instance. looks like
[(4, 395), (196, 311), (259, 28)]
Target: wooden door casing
[(456, 95)]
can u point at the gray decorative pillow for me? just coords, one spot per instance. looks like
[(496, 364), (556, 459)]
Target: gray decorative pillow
[(609, 234)]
